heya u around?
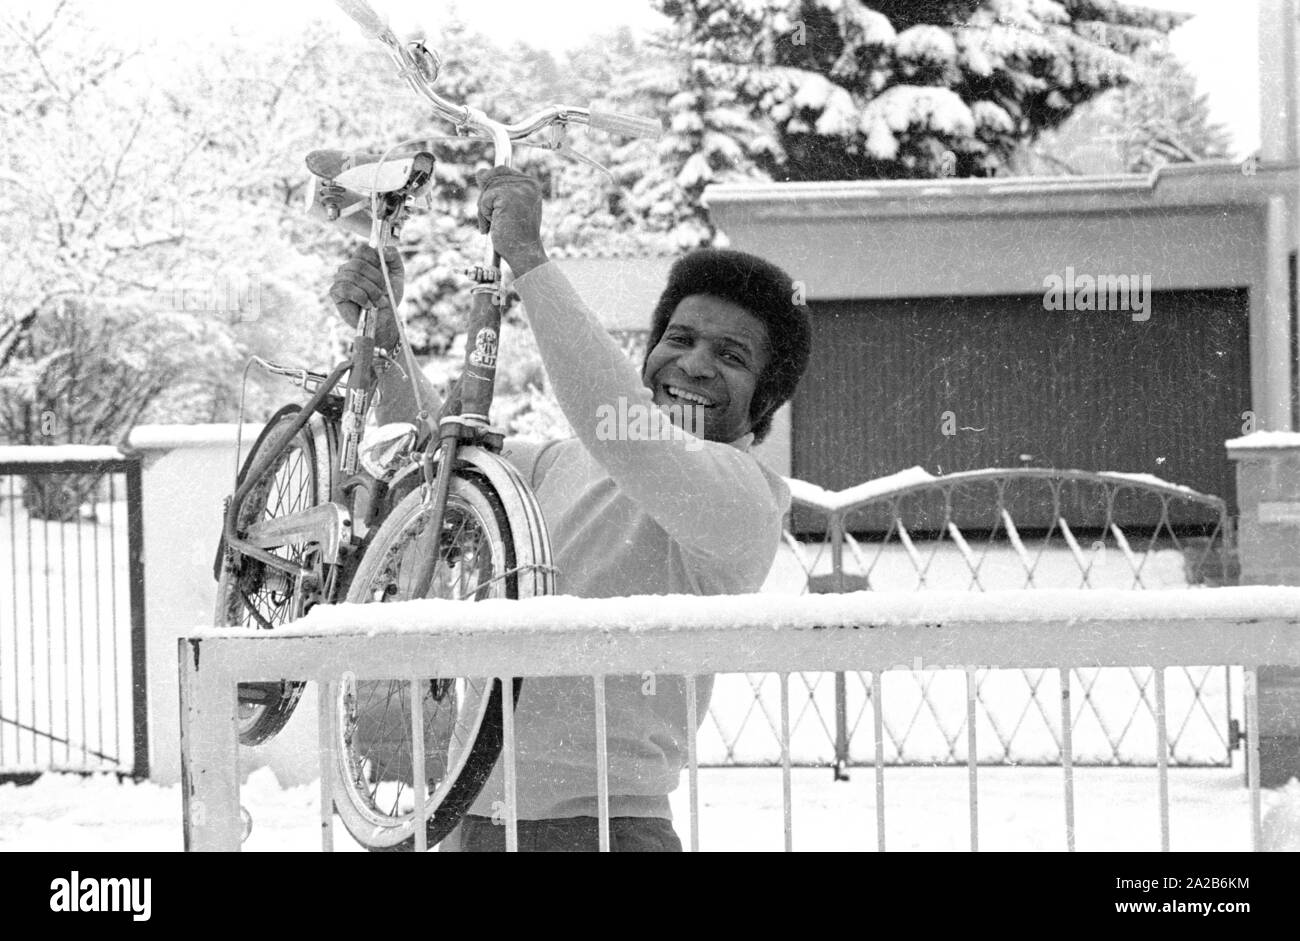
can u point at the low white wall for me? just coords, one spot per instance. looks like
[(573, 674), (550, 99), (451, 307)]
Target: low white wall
[(188, 472)]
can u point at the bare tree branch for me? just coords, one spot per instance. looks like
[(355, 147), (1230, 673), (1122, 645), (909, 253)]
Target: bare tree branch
[(116, 176), (13, 335), (279, 91), (54, 18), (36, 53)]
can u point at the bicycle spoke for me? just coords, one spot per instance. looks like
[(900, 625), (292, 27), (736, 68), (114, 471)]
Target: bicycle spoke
[(253, 594), (383, 725), (377, 736)]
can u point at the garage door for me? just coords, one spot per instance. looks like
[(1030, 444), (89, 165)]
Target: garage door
[(1017, 385)]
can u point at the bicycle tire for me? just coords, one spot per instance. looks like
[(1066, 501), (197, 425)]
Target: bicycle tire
[(372, 773), (292, 483)]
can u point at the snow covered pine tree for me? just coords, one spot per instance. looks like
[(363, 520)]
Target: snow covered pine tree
[(845, 90)]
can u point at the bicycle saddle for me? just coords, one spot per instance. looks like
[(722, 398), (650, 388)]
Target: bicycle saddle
[(355, 171)]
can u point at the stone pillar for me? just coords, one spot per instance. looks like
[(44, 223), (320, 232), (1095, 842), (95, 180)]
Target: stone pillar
[(1268, 546), (1276, 26), (1274, 408)]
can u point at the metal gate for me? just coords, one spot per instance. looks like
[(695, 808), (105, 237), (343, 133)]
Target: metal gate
[(913, 532), (72, 646)]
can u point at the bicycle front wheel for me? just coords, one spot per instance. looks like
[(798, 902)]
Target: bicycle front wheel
[(462, 715)]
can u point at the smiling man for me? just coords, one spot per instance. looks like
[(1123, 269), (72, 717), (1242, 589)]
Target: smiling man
[(653, 514)]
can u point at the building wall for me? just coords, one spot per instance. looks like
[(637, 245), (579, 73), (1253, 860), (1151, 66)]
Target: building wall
[(861, 257), (1187, 228)]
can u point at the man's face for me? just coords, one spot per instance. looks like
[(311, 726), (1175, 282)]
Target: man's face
[(710, 358)]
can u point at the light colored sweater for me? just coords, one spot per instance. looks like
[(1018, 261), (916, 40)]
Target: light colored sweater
[(669, 515)]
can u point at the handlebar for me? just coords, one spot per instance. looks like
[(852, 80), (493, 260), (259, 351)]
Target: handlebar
[(418, 66), (625, 125), (367, 19)]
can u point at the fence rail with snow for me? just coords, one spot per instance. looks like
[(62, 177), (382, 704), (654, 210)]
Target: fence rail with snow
[(1054, 629)]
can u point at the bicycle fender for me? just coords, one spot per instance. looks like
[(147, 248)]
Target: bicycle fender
[(532, 542)]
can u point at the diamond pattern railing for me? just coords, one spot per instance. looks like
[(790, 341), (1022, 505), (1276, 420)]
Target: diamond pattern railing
[(988, 530)]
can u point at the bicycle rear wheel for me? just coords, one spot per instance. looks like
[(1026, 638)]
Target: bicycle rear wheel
[(252, 594), (462, 715)]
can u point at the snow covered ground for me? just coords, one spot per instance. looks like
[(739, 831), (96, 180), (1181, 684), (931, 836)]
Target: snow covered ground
[(1021, 809)]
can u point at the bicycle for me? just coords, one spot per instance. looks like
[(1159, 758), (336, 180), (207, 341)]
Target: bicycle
[(321, 515)]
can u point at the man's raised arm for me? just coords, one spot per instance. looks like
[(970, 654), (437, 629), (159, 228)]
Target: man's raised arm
[(712, 498)]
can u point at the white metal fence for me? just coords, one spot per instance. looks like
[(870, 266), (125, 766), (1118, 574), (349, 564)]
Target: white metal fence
[(1049, 629)]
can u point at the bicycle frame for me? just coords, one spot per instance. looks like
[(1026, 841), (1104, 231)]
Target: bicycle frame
[(419, 67), (335, 525), (332, 534), (363, 495)]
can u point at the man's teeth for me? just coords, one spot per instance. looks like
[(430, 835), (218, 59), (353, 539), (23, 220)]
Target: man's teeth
[(688, 396)]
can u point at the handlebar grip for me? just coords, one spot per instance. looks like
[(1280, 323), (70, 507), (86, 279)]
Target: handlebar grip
[(625, 125), (365, 17)]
